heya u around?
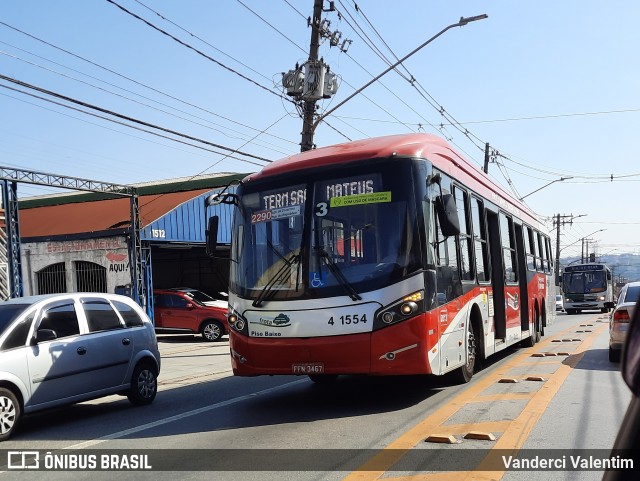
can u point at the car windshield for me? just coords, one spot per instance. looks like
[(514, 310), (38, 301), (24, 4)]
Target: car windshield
[(220, 296), (198, 296), (359, 234), (8, 313), (558, 298), (580, 282)]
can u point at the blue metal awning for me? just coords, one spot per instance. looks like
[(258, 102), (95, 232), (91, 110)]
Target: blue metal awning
[(187, 222)]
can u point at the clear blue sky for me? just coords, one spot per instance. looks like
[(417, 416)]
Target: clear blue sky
[(551, 85)]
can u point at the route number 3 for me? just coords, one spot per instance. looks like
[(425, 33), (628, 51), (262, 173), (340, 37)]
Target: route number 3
[(322, 209)]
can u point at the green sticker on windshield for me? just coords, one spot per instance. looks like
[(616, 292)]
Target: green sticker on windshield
[(359, 199)]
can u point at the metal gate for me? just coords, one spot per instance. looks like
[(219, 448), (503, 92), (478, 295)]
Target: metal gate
[(52, 279), (90, 277)]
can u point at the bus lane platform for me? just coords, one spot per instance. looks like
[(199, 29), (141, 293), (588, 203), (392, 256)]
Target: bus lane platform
[(561, 397)]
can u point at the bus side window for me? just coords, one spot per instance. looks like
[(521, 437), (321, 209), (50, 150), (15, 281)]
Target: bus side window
[(549, 262), (464, 239), (447, 277), (541, 260), (530, 250), (508, 249), (480, 240)]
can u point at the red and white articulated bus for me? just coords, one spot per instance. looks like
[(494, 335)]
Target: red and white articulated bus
[(386, 256)]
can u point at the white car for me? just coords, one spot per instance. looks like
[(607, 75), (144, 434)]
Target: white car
[(559, 306), (65, 348), (620, 317)]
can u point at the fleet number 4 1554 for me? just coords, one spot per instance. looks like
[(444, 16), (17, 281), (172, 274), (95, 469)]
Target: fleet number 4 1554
[(347, 319)]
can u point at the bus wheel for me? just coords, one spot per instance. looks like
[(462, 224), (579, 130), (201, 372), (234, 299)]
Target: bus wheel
[(529, 341), (604, 310), (535, 335), (464, 373)]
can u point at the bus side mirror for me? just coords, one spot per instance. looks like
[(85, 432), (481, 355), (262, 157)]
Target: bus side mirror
[(211, 235), (447, 215)]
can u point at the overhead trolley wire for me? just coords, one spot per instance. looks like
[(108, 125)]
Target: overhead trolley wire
[(122, 116), (199, 52), (137, 101), (112, 121), (79, 57), (215, 163), (274, 28), (201, 39)]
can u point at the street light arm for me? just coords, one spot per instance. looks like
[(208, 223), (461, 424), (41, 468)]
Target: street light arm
[(461, 23), (581, 239)]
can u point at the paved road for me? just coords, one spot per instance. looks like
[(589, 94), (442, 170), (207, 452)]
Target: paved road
[(575, 399)]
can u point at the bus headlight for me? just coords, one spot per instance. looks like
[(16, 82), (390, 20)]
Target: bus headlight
[(408, 308), (399, 310), (601, 298), (237, 322), (387, 317)]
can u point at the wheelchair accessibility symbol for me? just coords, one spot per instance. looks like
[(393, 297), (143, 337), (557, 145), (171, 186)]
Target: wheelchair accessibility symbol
[(316, 280)]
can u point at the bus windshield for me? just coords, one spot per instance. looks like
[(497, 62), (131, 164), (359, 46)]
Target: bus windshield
[(339, 234), (580, 282)]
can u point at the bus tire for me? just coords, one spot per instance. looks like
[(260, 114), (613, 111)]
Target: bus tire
[(529, 341), (464, 373), (535, 335)]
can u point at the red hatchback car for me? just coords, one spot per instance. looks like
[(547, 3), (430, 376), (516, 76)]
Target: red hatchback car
[(177, 310)]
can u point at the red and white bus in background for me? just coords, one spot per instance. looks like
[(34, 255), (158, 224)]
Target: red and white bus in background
[(384, 256)]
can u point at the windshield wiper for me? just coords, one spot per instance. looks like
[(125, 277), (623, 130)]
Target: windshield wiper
[(337, 273), (294, 259)]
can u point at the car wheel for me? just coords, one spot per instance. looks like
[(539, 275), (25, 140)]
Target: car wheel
[(9, 413), (614, 355), (212, 330), (144, 384)]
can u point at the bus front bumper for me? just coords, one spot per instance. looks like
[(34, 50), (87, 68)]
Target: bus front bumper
[(400, 349)]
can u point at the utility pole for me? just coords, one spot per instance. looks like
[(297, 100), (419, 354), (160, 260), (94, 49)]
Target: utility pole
[(561, 220), (486, 158), (313, 80), (310, 104)]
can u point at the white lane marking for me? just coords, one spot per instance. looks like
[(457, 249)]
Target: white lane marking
[(177, 417)]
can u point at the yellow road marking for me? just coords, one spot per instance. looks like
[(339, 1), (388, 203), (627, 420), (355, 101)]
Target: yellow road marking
[(464, 428), (514, 434), (508, 396)]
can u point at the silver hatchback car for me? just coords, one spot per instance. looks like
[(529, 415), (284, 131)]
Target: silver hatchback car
[(65, 348), (621, 317)]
